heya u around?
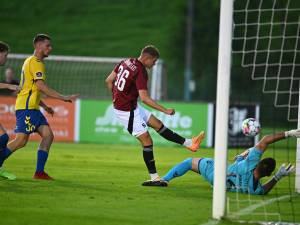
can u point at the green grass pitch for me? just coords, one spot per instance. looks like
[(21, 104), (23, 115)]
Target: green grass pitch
[(101, 184)]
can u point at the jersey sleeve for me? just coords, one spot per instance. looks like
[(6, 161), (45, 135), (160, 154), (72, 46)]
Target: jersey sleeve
[(37, 69), (141, 80), (251, 161)]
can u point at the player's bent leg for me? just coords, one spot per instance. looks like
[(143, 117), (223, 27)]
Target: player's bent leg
[(42, 155), (19, 142), (148, 155), (3, 143), (154, 123), (4, 154), (4, 151), (169, 135), (163, 131), (145, 139), (179, 170), (47, 137)]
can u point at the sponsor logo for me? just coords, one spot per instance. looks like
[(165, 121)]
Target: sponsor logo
[(39, 74)]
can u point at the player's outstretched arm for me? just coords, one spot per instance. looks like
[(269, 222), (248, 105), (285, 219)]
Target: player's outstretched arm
[(53, 94), (271, 138), (110, 81), (11, 87), (145, 98), (282, 172), (70, 98)]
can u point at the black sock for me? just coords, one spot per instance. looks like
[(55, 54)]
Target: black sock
[(149, 158), (170, 135)]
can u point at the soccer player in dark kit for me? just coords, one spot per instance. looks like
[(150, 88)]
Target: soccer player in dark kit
[(127, 82)]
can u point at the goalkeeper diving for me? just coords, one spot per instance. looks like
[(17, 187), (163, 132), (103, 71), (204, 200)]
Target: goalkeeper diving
[(244, 174)]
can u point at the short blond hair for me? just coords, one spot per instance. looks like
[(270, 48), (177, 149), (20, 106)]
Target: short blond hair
[(151, 50), (40, 37)]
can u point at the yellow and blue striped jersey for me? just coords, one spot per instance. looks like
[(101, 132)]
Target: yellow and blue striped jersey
[(29, 98)]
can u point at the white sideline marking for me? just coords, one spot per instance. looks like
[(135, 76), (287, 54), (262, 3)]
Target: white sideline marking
[(251, 208)]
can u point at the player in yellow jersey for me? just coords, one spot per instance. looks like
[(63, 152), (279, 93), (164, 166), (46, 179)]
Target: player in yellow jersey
[(29, 117), (4, 152)]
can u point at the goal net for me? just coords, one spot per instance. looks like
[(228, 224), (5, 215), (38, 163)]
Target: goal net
[(265, 70), (85, 75), (266, 35)]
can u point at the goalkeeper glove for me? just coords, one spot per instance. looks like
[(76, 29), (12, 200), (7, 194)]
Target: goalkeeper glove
[(292, 133), (282, 172)]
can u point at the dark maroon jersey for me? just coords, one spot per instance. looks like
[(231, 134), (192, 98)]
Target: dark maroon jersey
[(132, 76)]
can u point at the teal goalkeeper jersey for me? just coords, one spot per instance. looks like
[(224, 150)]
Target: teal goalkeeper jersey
[(240, 175)]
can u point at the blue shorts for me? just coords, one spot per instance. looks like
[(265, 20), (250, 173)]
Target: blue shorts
[(206, 169), (28, 120)]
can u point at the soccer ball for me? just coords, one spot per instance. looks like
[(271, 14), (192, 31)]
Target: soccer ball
[(250, 127)]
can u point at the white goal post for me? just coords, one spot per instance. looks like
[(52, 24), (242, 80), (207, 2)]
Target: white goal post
[(222, 107)]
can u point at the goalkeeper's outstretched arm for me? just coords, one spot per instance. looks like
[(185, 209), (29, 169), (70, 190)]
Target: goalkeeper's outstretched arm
[(282, 172), (271, 138)]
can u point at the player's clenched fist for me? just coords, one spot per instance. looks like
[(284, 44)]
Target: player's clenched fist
[(170, 111)]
